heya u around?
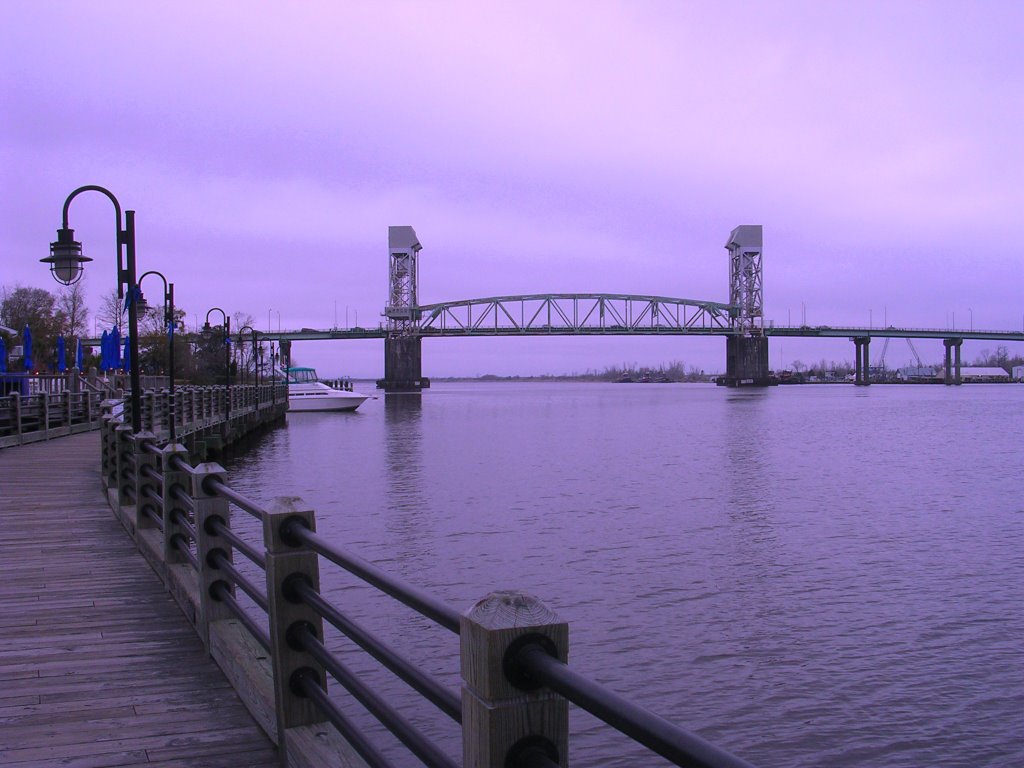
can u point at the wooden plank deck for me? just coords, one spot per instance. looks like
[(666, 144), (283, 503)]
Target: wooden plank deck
[(98, 667)]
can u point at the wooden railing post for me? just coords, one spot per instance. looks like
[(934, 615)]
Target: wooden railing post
[(205, 507), (287, 562), (498, 717), (179, 578), (123, 448), (174, 480), (144, 458), (148, 411), (16, 413), (44, 400), (108, 447)]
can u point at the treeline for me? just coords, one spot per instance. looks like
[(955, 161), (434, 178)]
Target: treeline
[(201, 355), (673, 371)]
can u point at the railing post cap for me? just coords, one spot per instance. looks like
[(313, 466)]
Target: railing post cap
[(490, 627), (200, 473), (283, 508), (289, 505), (504, 609), (208, 468)]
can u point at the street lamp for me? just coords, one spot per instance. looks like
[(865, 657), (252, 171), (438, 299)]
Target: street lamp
[(169, 322), (255, 343), (66, 262), (226, 325)]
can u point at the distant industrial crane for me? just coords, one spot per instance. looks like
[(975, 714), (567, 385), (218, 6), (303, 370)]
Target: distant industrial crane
[(885, 347)]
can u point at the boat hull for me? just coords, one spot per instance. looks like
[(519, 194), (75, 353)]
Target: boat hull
[(342, 401)]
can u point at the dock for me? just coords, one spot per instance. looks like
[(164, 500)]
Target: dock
[(98, 665)]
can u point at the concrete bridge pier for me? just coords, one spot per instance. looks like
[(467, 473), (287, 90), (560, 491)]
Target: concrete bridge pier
[(746, 361), (952, 367), (403, 365), (862, 365)]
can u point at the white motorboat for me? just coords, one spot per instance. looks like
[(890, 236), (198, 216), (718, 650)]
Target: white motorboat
[(307, 393)]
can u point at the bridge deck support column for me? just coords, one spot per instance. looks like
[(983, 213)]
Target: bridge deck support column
[(403, 360), (952, 363), (746, 361), (862, 365)]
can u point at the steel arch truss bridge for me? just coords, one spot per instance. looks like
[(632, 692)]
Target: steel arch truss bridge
[(573, 314)]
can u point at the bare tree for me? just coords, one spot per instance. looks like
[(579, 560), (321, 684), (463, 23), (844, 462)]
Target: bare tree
[(111, 311), (72, 313)]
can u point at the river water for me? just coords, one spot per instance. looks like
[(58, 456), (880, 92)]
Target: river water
[(806, 576)]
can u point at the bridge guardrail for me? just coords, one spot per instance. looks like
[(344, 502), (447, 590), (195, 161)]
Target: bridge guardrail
[(513, 707)]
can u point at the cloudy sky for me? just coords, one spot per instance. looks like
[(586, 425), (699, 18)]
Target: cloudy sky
[(535, 147)]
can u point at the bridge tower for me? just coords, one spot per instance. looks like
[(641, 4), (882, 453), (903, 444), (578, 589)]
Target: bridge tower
[(746, 350), (402, 354)]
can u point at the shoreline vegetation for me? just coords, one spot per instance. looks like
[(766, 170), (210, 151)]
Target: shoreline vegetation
[(666, 373)]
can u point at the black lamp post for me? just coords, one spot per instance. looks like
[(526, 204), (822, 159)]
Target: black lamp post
[(169, 323), (273, 373), (255, 359), (66, 262), (226, 325)]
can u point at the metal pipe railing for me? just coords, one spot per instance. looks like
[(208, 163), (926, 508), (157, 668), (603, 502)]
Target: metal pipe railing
[(182, 521), (427, 605), (222, 592), (216, 526), (388, 716), (657, 734), (180, 494), (221, 563), (442, 698), (310, 688), (216, 487), (181, 544)]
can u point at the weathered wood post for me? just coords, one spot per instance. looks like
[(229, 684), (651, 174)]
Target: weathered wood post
[(501, 711), (16, 413), (143, 458), (108, 448), (175, 480), (206, 506), (65, 406), (44, 403), (123, 481), (288, 562), (148, 411)]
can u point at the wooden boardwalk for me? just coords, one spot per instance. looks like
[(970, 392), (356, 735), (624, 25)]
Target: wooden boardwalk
[(98, 667)]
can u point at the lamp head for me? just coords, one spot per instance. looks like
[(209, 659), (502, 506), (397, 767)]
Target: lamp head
[(66, 257)]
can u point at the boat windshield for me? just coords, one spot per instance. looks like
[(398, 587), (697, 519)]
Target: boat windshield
[(301, 375)]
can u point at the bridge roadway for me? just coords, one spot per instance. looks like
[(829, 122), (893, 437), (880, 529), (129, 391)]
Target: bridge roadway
[(808, 332), (98, 666)]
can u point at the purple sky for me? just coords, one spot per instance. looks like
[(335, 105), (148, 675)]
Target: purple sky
[(535, 147)]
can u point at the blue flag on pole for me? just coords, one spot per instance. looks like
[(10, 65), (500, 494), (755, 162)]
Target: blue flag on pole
[(115, 348), (27, 347)]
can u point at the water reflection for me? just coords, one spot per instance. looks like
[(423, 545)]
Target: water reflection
[(404, 498)]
